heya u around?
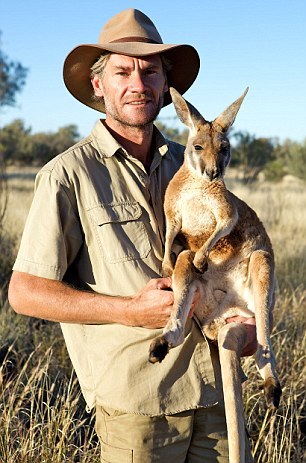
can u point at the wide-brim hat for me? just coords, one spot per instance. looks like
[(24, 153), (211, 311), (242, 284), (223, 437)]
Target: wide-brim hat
[(129, 33)]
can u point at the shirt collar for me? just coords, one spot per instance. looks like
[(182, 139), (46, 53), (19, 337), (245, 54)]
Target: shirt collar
[(107, 145)]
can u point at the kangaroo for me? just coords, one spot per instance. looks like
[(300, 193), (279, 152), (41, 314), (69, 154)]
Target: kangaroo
[(227, 254)]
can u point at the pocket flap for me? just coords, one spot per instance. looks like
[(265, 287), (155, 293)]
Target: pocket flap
[(115, 454), (115, 213)]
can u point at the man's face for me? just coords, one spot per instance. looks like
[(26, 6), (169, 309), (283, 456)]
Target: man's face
[(133, 89)]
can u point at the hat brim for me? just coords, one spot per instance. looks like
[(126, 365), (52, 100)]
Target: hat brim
[(185, 65)]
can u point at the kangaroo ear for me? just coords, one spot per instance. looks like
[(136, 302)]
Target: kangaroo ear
[(227, 118), (187, 113)]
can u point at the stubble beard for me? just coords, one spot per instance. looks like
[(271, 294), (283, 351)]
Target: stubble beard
[(123, 120)]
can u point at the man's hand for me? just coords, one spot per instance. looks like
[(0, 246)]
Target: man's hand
[(152, 305), (250, 346)]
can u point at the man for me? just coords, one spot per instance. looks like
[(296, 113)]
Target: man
[(91, 254)]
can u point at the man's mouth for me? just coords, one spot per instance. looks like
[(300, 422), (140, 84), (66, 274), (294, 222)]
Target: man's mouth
[(138, 102)]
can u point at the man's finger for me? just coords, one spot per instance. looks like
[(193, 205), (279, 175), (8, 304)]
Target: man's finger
[(164, 283)]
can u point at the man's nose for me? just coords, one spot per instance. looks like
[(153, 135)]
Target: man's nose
[(137, 82)]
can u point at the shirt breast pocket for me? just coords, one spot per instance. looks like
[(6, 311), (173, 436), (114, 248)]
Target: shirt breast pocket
[(121, 231)]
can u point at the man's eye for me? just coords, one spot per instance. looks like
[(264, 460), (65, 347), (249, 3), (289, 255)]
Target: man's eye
[(149, 72), (198, 147)]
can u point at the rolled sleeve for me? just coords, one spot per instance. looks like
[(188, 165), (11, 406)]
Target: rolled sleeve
[(52, 236)]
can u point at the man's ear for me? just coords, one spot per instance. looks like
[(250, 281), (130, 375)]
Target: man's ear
[(97, 86)]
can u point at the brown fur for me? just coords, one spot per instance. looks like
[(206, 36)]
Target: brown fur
[(228, 256)]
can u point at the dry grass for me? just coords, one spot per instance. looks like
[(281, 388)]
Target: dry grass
[(277, 438), (20, 187), (41, 418), (282, 208), (41, 411)]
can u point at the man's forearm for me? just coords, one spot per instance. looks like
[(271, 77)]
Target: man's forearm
[(56, 301)]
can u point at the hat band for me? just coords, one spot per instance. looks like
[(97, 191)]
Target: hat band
[(135, 39)]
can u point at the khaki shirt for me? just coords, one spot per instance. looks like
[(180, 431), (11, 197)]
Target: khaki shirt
[(97, 222)]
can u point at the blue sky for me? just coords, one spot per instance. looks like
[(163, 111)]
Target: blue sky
[(260, 44)]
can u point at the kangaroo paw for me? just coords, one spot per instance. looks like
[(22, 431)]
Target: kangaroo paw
[(159, 348), (200, 267), (272, 392), (200, 263)]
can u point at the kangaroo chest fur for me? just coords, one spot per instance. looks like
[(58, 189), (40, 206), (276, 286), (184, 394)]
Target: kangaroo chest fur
[(198, 219)]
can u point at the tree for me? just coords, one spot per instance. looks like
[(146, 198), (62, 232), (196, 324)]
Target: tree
[(64, 138), (13, 141), (173, 134), (19, 146), (44, 146), (12, 79), (251, 154), (293, 156)]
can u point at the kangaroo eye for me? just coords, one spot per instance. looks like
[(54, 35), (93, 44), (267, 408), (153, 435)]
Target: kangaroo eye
[(198, 147)]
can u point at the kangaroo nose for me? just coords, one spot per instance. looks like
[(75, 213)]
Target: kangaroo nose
[(213, 173)]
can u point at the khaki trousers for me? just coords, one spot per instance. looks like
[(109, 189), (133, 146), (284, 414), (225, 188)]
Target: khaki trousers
[(193, 436)]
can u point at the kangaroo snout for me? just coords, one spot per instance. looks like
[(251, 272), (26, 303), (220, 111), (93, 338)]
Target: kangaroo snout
[(213, 174)]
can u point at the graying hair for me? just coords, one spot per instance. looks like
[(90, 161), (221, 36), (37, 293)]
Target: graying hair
[(97, 69)]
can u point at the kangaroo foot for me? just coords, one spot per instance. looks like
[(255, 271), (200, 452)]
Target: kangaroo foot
[(159, 348), (273, 392)]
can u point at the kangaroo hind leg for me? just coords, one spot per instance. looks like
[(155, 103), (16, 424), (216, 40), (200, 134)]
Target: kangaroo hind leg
[(261, 272), (231, 339)]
